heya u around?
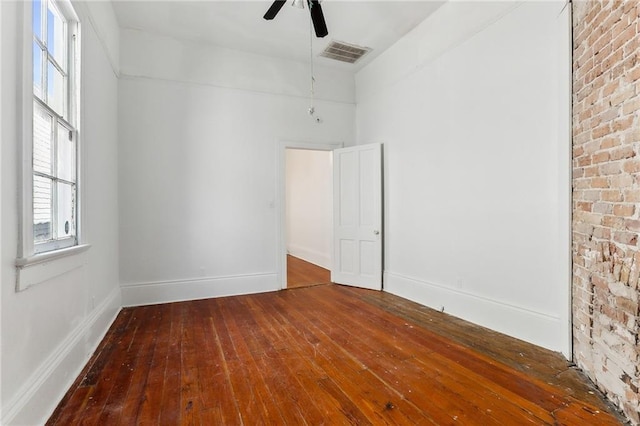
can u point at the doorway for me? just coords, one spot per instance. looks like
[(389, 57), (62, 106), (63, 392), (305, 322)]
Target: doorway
[(282, 148), (308, 216), (355, 248)]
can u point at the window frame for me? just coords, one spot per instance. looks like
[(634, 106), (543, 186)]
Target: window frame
[(30, 253)]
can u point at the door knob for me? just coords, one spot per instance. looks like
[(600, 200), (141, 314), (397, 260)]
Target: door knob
[(376, 232)]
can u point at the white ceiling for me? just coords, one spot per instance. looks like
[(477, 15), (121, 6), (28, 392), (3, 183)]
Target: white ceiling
[(239, 24)]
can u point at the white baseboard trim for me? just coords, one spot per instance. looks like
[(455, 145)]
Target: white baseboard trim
[(151, 293), (37, 398), (538, 328), (312, 256)]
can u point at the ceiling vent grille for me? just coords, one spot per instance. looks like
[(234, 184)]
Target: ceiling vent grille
[(344, 52)]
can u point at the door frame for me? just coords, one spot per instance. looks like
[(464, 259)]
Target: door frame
[(281, 197)]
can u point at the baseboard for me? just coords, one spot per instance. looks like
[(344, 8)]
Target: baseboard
[(538, 328), (40, 394), (151, 293), (311, 256)]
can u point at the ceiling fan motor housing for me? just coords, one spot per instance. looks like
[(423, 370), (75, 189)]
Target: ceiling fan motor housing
[(317, 17)]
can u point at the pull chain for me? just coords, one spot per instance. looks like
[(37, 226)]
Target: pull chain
[(313, 79)]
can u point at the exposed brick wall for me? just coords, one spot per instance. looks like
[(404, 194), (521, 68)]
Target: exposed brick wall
[(606, 197)]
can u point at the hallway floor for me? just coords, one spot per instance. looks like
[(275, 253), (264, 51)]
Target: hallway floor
[(301, 273)]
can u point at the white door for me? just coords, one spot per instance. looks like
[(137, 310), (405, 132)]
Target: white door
[(357, 216)]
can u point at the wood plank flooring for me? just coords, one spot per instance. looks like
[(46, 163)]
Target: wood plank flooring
[(320, 355), (301, 273)]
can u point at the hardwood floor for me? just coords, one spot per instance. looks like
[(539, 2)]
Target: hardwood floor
[(301, 273), (320, 355)]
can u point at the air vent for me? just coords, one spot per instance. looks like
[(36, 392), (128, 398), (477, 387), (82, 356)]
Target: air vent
[(344, 52)]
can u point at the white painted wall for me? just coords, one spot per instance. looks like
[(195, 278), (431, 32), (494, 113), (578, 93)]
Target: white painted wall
[(309, 205), (200, 133), (104, 23), (473, 109), (166, 58), (50, 329)]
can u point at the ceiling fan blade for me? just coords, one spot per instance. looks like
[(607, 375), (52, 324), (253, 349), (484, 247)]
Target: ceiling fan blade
[(274, 9), (318, 18)]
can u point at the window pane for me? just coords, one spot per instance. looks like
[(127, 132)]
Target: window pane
[(55, 89), (66, 210), (42, 195), (37, 70), (42, 140), (37, 18), (55, 36), (66, 155)]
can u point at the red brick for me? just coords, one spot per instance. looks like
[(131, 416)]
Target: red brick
[(622, 95), (613, 59), (614, 15), (599, 40), (631, 166), (610, 88), (601, 131), (606, 104), (581, 184), (600, 282), (586, 217), (629, 306), (602, 233), (611, 312), (621, 181), (633, 75), (613, 222), (602, 208), (631, 106), (632, 196), (606, 169), (623, 124), (585, 161), (580, 138), (591, 147), (611, 195), (600, 157), (631, 46), (599, 182), (609, 142), (622, 153), (625, 210), (628, 8), (588, 19), (624, 37), (632, 225), (584, 206), (627, 238), (590, 171), (631, 136)]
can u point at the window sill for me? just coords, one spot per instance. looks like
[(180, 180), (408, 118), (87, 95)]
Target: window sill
[(45, 266)]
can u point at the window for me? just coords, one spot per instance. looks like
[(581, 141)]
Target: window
[(53, 214), (50, 191)]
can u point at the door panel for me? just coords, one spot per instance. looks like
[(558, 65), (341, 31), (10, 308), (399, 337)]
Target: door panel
[(357, 180)]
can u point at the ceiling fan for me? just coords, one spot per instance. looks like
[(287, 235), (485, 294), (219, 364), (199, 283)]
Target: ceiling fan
[(317, 17)]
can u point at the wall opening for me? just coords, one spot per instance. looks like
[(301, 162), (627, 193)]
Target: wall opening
[(308, 216)]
